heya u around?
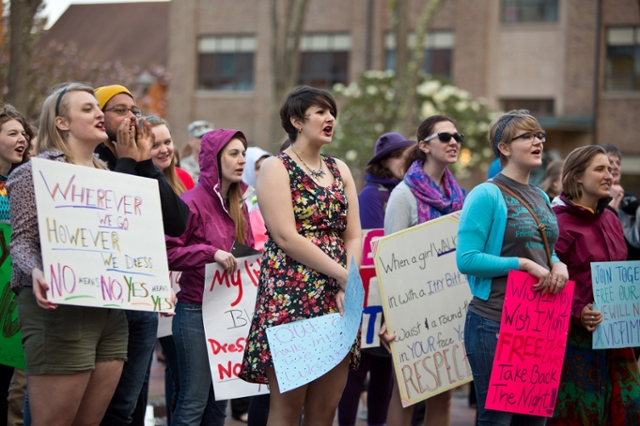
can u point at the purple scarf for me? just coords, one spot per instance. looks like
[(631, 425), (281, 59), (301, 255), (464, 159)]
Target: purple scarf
[(432, 201)]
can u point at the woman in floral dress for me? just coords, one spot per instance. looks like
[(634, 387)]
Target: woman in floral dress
[(310, 206)]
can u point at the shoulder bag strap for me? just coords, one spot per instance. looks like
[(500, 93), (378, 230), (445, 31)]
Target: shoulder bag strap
[(541, 226)]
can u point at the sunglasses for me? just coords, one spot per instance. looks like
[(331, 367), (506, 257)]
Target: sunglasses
[(446, 137)]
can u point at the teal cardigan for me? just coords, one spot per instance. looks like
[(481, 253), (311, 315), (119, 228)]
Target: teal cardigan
[(480, 236)]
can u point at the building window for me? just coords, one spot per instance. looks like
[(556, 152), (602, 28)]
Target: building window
[(536, 107), (622, 71), (226, 62), (438, 52), (324, 59), (529, 11)]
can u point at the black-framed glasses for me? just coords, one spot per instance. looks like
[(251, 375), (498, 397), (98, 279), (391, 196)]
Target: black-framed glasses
[(123, 110), (446, 137), (530, 137)]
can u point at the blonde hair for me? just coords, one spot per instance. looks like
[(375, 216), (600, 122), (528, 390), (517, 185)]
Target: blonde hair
[(554, 172), (504, 129), (169, 172), (50, 138)]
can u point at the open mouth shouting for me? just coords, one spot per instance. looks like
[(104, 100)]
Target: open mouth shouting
[(328, 130)]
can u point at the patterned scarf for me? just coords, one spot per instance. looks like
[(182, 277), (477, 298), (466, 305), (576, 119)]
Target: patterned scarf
[(432, 201)]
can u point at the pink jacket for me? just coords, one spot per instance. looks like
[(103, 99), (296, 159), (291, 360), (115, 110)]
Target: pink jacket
[(210, 227)]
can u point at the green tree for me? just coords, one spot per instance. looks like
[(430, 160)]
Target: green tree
[(368, 111)]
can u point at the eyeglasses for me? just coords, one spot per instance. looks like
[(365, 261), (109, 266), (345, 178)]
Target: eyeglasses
[(530, 137), (123, 110), (446, 137)]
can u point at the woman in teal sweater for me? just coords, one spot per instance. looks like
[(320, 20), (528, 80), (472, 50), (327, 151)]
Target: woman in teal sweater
[(497, 234)]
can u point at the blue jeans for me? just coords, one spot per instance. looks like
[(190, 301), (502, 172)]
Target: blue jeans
[(196, 388), (143, 328), (480, 341)]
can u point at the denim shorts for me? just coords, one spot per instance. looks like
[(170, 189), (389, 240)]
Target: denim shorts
[(69, 339)]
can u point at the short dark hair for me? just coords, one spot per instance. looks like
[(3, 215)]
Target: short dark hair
[(425, 129), (296, 103), (609, 147)]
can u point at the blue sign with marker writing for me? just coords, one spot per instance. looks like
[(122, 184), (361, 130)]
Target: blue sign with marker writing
[(305, 350), (616, 295)]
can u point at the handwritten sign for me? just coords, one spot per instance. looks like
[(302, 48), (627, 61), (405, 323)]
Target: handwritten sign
[(102, 238), (304, 350), (531, 345), (165, 323), (425, 301), (11, 352), (372, 313), (228, 303), (616, 295)]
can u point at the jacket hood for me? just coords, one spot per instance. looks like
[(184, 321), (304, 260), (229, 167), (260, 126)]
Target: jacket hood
[(212, 143), (563, 204), (252, 156)]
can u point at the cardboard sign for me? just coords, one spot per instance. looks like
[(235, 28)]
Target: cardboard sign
[(425, 301), (372, 313), (304, 350), (11, 352), (102, 238), (531, 345), (228, 303), (616, 295), (165, 323)]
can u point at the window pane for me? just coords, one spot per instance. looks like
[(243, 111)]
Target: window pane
[(529, 11), (226, 62), (622, 68)]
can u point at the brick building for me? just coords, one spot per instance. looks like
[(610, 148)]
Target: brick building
[(561, 59)]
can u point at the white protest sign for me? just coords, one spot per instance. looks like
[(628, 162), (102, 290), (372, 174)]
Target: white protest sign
[(165, 323), (102, 238), (228, 303), (616, 295), (307, 349), (425, 301)]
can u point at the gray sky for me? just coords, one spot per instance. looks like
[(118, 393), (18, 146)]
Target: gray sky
[(55, 8)]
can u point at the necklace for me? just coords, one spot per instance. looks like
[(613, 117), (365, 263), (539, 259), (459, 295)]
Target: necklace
[(316, 174)]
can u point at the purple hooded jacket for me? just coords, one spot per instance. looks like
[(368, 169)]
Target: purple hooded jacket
[(210, 227)]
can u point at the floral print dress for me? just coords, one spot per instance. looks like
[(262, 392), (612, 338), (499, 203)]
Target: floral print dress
[(288, 290)]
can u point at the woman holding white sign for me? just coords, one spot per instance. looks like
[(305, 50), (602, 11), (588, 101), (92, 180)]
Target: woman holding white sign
[(218, 217), (427, 192), (74, 354), (497, 233), (310, 206), (597, 387)]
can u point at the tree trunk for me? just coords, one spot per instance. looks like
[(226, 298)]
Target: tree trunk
[(287, 25), (400, 25), (21, 20), (408, 74)]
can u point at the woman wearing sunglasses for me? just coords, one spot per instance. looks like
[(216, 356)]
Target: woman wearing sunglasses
[(498, 233), (428, 191)]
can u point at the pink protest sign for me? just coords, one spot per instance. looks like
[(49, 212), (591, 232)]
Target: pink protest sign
[(530, 352)]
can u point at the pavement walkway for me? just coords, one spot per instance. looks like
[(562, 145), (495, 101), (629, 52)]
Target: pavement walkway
[(462, 415)]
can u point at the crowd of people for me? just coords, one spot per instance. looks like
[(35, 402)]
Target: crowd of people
[(89, 365)]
